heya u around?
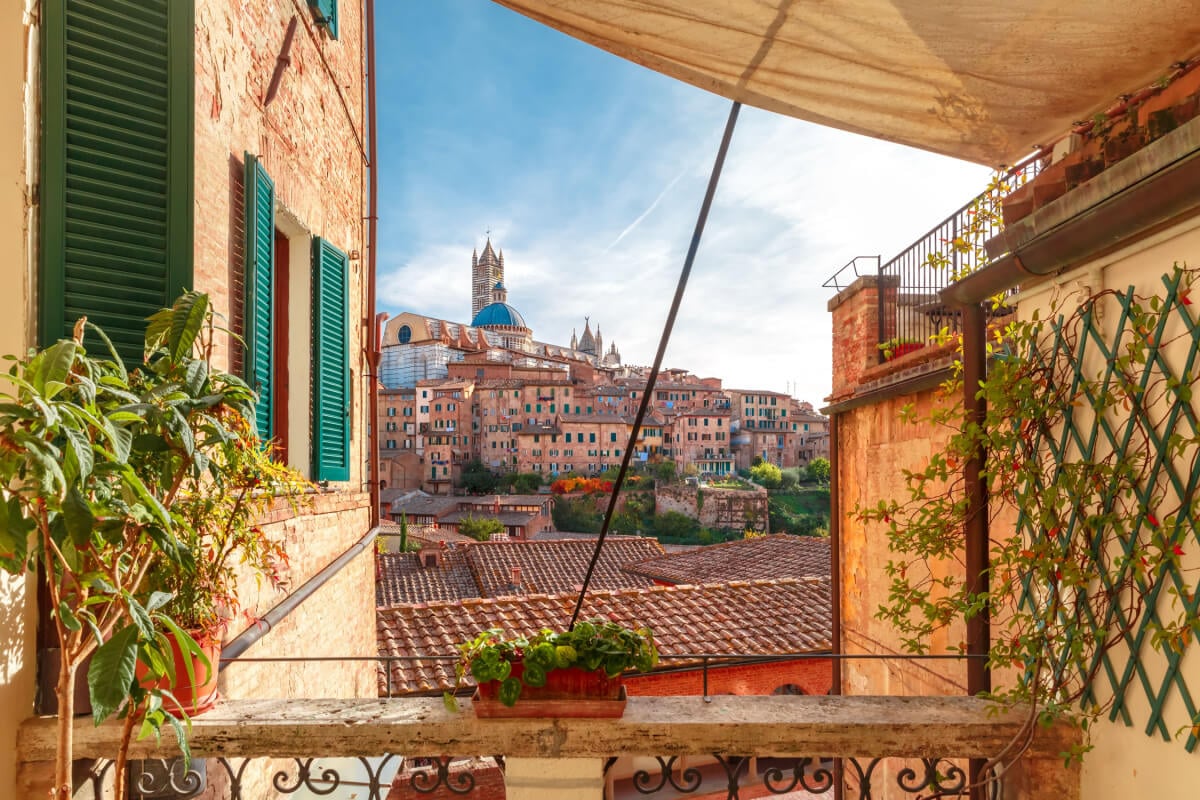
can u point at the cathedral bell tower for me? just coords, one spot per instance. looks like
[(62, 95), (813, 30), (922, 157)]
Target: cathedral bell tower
[(487, 270)]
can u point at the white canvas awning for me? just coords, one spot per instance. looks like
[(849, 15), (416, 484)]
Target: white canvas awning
[(984, 81)]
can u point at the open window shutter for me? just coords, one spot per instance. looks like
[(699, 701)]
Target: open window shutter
[(260, 271), (325, 12), (116, 179), (331, 363)]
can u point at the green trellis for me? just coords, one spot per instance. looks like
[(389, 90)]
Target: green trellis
[(1127, 361)]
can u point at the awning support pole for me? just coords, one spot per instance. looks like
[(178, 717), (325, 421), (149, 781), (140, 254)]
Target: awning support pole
[(713, 179)]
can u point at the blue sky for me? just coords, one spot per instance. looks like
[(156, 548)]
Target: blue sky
[(589, 172)]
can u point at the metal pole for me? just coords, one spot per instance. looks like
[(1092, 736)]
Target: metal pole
[(713, 179), (979, 675)]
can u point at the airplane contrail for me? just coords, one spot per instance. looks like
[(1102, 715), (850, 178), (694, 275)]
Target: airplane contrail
[(646, 213)]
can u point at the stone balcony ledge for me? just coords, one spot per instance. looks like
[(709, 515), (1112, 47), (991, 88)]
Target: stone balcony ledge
[(795, 726)]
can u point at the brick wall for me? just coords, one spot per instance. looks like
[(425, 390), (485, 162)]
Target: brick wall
[(308, 139), (813, 676), (855, 332)]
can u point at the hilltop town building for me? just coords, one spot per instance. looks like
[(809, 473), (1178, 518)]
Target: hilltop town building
[(453, 393)]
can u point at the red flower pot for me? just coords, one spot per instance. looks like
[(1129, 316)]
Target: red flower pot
[(569, 692), (195, 695)]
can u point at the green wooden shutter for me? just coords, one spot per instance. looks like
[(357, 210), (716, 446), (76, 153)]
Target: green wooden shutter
[(116, 178), (260, 273), (331, 363), (325, 12)]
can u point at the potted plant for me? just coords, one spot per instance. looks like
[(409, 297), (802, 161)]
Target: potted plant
[(899, 346), (96, 466), (582, 666)]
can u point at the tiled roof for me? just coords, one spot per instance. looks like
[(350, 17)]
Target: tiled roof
[(424, 504), (558, 566), (506, 516), (432, 535), (485, 569), (779, 555), (402, 579), (743, 617)]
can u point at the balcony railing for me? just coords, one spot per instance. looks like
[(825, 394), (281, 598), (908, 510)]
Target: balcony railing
[(682, 746), (910, 308)]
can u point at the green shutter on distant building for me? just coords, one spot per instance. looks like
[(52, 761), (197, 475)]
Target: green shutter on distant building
[(331, 363), (259, 323), (326, 13), (116, 174)]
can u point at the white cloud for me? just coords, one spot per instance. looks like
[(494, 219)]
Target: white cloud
[(796, 202)]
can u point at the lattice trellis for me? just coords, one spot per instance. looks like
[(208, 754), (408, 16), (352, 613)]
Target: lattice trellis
[(1157, 423)]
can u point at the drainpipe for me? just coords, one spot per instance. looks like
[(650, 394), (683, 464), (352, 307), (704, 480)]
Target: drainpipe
[(372, 341), (979, 676), (835, 541)]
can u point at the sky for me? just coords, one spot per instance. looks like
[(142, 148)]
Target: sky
[(589, 172)]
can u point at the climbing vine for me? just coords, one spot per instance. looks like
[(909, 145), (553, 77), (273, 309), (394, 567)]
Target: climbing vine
[(1091, 446)]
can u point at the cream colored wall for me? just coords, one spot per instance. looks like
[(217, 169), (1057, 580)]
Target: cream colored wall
[(1126, 762), (18, 662)]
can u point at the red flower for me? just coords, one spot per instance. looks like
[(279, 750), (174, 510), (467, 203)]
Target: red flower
[(1177, 550), (1153, 520)]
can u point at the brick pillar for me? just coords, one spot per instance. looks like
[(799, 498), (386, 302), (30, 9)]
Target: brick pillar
[(856, 336), (554, 778)]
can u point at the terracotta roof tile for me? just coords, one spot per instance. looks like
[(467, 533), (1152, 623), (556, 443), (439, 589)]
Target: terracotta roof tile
[(473, 569), (776, 556), (402, 578), (557, 566), (745, 617)]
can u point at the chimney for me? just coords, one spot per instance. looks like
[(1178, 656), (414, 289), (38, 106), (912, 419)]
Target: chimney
[(516, 576)]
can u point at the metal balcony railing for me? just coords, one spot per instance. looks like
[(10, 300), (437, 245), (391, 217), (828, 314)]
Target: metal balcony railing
[(911, 313)]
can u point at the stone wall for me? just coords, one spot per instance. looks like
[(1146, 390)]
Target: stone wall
[(736, 509)]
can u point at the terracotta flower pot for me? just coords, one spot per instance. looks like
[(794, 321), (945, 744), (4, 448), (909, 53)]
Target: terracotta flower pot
[(195, 695), (904, 348), (569, 692)]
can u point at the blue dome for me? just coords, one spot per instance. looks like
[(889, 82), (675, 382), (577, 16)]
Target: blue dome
[(498, 314)]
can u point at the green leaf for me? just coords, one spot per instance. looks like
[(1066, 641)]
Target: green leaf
[(53, 366), (196, 375), (69, 620), (110, 678), (78, 516), (157, 600), (187, 319), (79, 453), (140, 617)]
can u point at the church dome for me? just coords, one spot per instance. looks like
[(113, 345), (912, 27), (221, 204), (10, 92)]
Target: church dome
[(498, 314)]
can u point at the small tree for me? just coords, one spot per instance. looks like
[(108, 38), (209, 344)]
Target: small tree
[(476, 478), (480, 528), (766, 474), (818, 470), (664, 471)]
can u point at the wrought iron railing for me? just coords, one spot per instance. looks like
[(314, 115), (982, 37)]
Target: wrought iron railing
[(911, 312)]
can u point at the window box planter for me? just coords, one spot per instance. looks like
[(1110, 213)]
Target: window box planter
[(569, 692)]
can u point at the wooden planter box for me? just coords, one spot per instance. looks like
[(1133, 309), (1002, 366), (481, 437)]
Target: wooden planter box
[(570, 692)]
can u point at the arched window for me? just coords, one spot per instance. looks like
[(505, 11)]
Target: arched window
[(789, 688), (405, 334)]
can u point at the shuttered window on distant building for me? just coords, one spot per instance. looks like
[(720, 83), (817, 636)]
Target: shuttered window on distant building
[(259, 324), (331, 363), (116, 175)]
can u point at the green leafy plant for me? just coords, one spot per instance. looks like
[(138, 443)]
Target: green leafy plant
[(1076, 451), (591, 645), (97, 469), (898, 345)]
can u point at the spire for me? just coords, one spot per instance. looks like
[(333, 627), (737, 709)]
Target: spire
[(574, 340), (474, 257)]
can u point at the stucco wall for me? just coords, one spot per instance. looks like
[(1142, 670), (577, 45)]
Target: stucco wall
[(18, 46), (876, 446), (1126, 761)]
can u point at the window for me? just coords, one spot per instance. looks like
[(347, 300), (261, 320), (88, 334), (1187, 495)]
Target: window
[(592, 438), (404, 334), (121, 249), (568, 437), (612, 437), (325, 14), (391, 412), (331, 363)]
